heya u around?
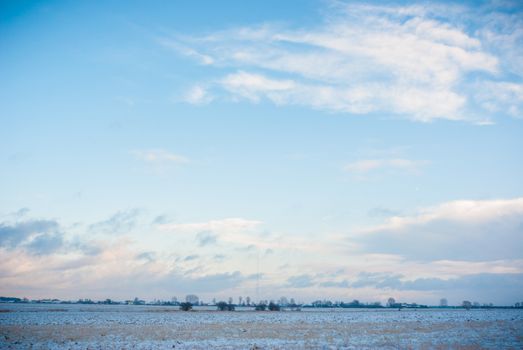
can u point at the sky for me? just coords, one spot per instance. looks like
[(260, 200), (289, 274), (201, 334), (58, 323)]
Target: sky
[(307, 149)]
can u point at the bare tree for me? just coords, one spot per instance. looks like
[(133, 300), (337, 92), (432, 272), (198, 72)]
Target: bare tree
[(283, 301), (391, 302), (193, 299)]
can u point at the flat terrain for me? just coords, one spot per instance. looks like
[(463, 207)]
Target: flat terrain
[(28, 326)]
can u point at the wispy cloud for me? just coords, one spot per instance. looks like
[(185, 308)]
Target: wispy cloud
[(301, 281), (245, 235), (206, 238), (159, 156), (501, 97), (422, 62), (198, 95), (366, 166), (146, 256), (222, 225), (21, 212), (185, 50), (191, 257), (120, 222)]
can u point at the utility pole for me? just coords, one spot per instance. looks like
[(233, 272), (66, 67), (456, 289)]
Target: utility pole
[(258, 274)]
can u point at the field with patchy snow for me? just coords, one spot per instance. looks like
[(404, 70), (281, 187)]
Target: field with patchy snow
[(26, 326)]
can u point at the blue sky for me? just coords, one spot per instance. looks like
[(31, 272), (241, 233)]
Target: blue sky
[(358, 150)]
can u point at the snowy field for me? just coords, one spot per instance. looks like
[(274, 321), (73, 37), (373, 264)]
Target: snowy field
[(26, 326)]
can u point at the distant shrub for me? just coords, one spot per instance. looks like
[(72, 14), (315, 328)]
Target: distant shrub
[(223, 306), (295, 307), (274, 307), (261, 307), (185, 306)]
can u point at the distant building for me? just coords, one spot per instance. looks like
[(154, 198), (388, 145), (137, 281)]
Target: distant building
[(193, 299)]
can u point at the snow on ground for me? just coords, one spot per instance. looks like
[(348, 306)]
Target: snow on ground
[(33, 326)]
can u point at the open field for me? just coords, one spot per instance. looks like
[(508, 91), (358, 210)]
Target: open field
[(149, 327)]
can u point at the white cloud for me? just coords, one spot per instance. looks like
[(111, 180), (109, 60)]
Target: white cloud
[(180, 265), (112, 273), (365, 166), (247, 234), (158, 156), (501, 97), (458, 230), (253, 86), (198, 95), (420, 62), (463, 211), (503, 32), (222, 225)]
